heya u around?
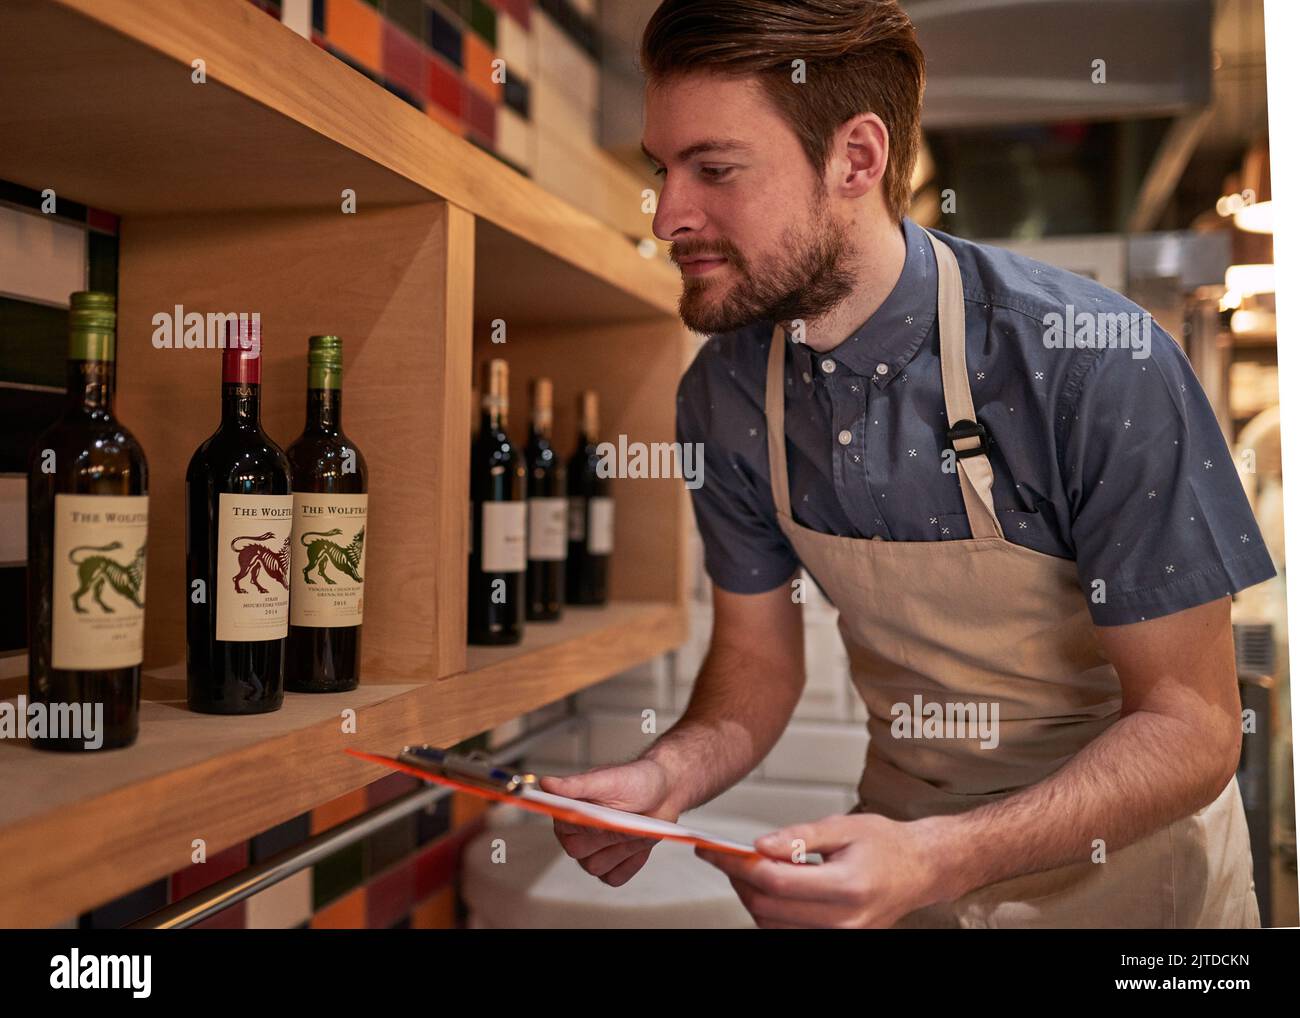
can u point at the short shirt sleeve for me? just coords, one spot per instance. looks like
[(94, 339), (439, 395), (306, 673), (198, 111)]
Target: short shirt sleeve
[(745, 551), (1159, 519)]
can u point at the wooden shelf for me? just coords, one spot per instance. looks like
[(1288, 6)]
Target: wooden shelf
[(100, 105), (77, 830), (229, 196), (586, 644)]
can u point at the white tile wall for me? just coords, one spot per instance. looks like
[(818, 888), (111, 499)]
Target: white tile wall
[(515, 138), (281, 906), (616, 737), (53, 262), (515, 47), (646, 686), (562, 62)]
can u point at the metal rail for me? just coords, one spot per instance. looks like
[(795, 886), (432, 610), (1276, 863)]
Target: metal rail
[(219, 896)]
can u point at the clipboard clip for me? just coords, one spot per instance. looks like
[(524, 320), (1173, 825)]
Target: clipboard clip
[(474, 768)]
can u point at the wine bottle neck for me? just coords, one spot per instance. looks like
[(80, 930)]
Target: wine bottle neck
[(494, 419), (241, 404), (324, 410), (90, 385)]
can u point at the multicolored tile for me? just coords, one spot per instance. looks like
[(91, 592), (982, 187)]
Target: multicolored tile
[(355, 28)]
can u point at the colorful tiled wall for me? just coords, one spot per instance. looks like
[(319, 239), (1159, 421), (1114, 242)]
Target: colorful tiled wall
[(437, 55), (474, 66), (403, 876)]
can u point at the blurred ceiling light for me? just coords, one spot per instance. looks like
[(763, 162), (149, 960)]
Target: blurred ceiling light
[(1230, 300), (1256, 218), (1254, 324), (1248, 280)]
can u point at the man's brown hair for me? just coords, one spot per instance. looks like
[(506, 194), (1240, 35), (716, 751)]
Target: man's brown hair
[(860, 56)]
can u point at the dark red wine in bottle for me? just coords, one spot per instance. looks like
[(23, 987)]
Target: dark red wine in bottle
[(87, 523), (497, 552), (591, 513), (239, 516), (329, 536), (547, 512)]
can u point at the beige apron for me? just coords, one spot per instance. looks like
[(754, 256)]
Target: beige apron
[(989, 621)]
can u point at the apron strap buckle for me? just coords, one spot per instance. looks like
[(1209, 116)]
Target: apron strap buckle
[(968, 438)]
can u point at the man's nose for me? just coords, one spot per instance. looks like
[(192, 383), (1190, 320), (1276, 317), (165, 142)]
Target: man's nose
[(675, 214)]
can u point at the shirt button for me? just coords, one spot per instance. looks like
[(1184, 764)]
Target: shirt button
[(882, 369), (846, 437), (828, 365)]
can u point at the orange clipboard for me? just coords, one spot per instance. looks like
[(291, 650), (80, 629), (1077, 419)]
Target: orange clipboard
[(479, 777)]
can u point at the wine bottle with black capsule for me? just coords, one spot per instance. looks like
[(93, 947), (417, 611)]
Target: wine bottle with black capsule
[(547, 512), (591, 512), (239, 518), (328, 558), (87, 529), (498, 551)]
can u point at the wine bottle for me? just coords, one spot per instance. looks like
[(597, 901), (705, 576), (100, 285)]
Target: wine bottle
[(547, 507), (323, 654), (591, 513), (239, 516), (497, 554), (87, 524)]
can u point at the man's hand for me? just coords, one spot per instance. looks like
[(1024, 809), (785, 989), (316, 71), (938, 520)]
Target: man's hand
[(639, 787), (875, 871)]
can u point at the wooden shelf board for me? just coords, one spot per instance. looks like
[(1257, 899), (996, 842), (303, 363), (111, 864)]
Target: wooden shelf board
[(77, 830), (100, 106)]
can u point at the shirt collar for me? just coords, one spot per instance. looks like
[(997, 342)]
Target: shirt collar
[(893, 334)]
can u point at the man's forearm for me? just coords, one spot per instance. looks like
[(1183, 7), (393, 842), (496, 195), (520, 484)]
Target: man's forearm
[(738, 709), (1144, 772)]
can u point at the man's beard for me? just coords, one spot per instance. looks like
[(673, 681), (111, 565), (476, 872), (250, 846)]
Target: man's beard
[(807, 284)]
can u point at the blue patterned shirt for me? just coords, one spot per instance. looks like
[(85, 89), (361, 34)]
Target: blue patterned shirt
[(1106, 453)]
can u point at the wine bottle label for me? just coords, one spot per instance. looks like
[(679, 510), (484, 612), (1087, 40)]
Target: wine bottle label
[(504, 546), (329, 559), (547, 536), (252, 581), (600, 526), (577, 518), (98, 589)]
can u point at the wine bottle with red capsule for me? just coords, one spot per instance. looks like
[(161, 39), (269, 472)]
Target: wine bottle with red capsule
[(239, 517)]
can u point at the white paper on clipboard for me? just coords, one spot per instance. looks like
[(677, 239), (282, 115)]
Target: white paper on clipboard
[(651, 826)]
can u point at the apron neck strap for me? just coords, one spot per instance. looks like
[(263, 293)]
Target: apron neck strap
[(967, 435), (973, 468), (774, 407)]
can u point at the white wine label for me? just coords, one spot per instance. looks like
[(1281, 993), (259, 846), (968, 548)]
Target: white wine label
[(547, 537), (504, 546), (577, 518), (252, 581), (600, 529), (98, 610), (329, 559)]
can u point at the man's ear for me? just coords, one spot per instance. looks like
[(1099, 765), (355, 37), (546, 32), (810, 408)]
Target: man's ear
[(859, 156)]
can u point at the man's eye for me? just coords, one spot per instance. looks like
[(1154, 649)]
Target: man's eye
[(716, 172)]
